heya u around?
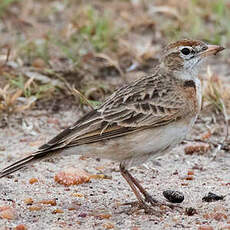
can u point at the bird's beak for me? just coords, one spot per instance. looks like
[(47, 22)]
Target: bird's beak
[(212, 50)]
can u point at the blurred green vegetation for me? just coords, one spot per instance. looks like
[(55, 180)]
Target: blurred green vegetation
[(68, 35), (4, 4), (202, 19)]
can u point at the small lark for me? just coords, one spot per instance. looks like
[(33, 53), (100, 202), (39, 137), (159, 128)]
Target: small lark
[(143, 119)]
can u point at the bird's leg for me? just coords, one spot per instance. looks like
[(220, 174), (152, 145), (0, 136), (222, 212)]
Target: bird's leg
[(141, 202), (125, 174), (147, 196)]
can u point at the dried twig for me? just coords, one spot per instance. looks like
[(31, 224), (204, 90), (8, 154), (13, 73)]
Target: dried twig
[(225, 119), (82, 97), (111, 62)]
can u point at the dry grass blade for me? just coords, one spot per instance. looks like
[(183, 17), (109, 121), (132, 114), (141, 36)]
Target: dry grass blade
[(111, 62), (19, 92), (26, 106), (10, 98), (217, 95), (166, 10), (225, 119), (3, 92), (82, 97)]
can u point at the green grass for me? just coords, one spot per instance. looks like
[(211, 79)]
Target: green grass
[(96, 34), (207, 20), (38, 48), (35, 89), (4, 4), (99, 30), (79, 29)]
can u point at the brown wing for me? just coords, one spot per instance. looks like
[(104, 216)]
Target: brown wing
[(145, 103)]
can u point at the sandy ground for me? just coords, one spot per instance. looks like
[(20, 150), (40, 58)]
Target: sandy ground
[(102, 197), (99, 203)]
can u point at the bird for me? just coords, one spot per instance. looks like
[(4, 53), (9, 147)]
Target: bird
[(143, 119)]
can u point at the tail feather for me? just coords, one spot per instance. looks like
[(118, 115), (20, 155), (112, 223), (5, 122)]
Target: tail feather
[(16, 166), (24, 162)]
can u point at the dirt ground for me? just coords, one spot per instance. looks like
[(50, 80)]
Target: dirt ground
[(48, 48), (97, 204)]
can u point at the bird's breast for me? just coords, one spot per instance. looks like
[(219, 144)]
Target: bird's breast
[(192, 92)]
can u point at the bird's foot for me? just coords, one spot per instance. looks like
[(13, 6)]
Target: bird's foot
[(136, 205), (154, 202)]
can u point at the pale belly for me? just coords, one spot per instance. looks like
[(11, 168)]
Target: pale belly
[(136, 148)]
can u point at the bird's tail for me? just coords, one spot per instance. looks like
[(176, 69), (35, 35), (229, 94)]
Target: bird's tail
[(25, 161)]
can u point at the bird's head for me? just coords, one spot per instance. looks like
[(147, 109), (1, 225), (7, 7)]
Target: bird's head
[(186, 55)]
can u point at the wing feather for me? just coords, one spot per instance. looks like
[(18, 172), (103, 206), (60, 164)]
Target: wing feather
[(145, 103)]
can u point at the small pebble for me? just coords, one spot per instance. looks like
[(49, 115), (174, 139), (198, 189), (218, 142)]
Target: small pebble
[(205, 227), (33, 180), (83, 215), (28, 201), (6, 212), (173, 196), (21, 227), (200, 148), (108, 226), (35, 208), (225, 227), (57, 211), (51, 202), (190, 173), (72, 176), (103, 216), (212, 197)]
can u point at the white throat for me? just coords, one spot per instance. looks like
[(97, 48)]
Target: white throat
[(192, 74)]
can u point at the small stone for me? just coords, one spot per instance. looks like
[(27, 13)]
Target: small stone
[(200, 148), (184, 184), (57, 211), (219, 216), (102, 216), (20, 227), (35, 208), (78, 195), (205, 227), (225, 227), (28, 201), (212, 197), (48, 202), (72, 176), (83, 215), (100, 176), (190, 173), (33, 180), (173, 196), (108, 226), (6, 212), (189, 178), (135, 228), (206, 135)]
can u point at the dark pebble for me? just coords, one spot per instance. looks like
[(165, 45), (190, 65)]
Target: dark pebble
[(212, 197), (173, 196), (82, 215)]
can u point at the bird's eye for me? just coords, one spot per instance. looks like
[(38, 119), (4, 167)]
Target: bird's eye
[(185, 51)]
